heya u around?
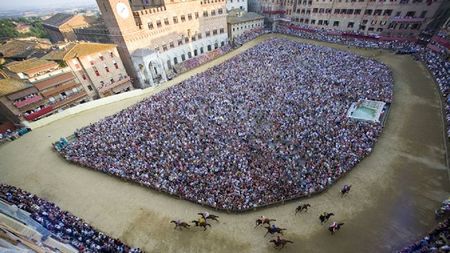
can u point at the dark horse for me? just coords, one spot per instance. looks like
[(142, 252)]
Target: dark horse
[(335, 227), (201, 223), (345, 190), (280, 243), (263, 220), (180, 224), (325, 217), (300, 208), (208, 216), (274, 229)]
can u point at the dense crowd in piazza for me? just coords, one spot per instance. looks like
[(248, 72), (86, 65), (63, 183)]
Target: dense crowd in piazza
[(238, 136), (202, 59), (62, 224), (436, 61)]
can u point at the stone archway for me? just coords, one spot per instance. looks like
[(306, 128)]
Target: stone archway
[(149, 66)]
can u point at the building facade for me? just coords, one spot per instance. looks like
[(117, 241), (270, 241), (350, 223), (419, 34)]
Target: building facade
[(395, 18), (37, 88), (152, 36), (98, 67), (240, 22), (237, 5)]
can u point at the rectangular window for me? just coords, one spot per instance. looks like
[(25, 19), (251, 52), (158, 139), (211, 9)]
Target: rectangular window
[(89, 88), (107, 69), (215, 32), (205, 13), (189, 16), (213, 12), (175, 20), (368, 12), (164, 47), (387, 12), (96, 71), (357, 11), (180, 42), (350, 24), (208, 33), (171, 45), (196, 15), (183, 18), (336, 11), (220, 11), (158, 23), (222, 30), (336, 23), (116, 65), (150, 25), (166, 21), (186, 40)]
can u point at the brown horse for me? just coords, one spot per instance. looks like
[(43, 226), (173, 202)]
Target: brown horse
[(201, 223), (300, 208), (333, 228), (180, 224), (280, 243), (208, 216), (325, 217), (345, 190), (263, 220), (274, 229)]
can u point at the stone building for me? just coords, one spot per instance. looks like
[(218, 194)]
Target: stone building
[(152, 36), (237, 5), (60, 27), (240, 22), (394, 18), (98, 67), (35, 88)]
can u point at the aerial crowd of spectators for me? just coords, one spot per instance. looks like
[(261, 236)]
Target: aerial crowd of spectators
[(239, 136), (202, 59), (63, 225), (435, 60), (249, 35)]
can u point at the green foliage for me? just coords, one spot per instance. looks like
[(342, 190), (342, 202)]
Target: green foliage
[(8, 28)]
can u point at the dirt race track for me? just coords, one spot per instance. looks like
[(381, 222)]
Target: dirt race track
[(395, 190)]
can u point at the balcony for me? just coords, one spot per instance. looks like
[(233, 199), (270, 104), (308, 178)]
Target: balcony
[(113, 85), (28, 101), (69, 99), (35, 115)]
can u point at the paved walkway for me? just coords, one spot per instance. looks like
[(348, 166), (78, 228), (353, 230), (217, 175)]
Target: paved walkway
[(394, 193)]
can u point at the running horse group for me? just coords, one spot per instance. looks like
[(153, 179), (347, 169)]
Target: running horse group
[(200, 222), (271, 228)]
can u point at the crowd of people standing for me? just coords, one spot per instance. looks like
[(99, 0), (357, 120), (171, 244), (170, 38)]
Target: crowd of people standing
[(62, 224), (238, 136)]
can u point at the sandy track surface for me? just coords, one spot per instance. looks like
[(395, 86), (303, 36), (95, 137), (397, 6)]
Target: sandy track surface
[(394, 193)]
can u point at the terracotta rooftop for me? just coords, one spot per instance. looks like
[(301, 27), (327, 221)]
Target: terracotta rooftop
[(58, 19), (9, 85), (78, 50), (20, 49), (31, 66)]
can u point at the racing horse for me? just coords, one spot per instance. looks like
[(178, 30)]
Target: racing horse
[(201, 223), (325, 217), (180, 224), (280, 243), (208, 216), (300, 208), (335, 227), (263, 220), (274, 229), (345, 190)]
